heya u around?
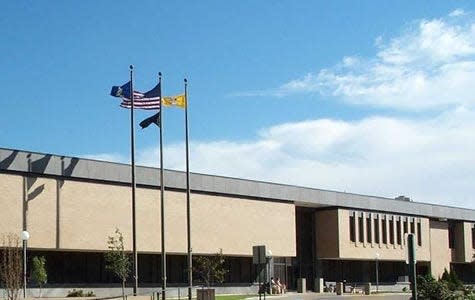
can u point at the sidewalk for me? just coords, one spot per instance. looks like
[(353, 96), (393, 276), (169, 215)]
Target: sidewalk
[(333, 296)]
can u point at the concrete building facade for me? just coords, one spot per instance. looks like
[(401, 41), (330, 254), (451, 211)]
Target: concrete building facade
[(70, 206)]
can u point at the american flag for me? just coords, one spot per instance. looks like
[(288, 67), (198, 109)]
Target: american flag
[(149, 100), (141, 102)]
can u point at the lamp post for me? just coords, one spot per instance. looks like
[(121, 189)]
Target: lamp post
[(25, 235), (377, 272), (268, 270)]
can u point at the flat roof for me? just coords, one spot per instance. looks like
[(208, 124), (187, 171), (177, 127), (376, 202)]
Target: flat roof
[(12, 160)]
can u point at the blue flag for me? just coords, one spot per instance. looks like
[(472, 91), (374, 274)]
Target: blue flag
[(121, 91)]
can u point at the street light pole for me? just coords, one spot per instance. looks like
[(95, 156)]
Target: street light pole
[(25, 235), (377, 272)]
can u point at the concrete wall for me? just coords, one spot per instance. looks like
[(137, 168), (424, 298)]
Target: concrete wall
[(11, 195), (93, 170), (369, 250), (440, 252), (78, 215), (463, 242), (147, 293), (327, 233)]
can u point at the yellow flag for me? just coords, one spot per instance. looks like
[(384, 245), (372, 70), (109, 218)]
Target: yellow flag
[(178, 101)]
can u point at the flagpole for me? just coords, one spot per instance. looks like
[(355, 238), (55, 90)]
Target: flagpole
[(132, 154), (188, 208), (162, 196)]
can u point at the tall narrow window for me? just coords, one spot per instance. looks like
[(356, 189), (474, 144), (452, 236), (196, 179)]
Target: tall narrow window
[(360, 229), (384, 227), (473, 237), (376, 230), (391, 231), (368, 229), (451, 235), (352, 229), (405, 226), (398, 231), (412, 226), (419, 234)]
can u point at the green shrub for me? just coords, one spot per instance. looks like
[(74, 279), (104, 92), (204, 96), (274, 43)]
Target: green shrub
[(38, 271), (431, 289), (452, 281), (469, 293), (80, 293)]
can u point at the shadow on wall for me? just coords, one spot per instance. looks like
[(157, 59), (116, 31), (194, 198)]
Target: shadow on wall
[(38, 166), (6, 163)]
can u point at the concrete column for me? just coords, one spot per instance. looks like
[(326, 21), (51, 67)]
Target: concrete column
[(394, 232), (339, 288), (318, 285), (380, 231), (357, 229), (365, 230), (373, 233), (414, 220), (301, 285), (386, 220), (367, 288), (401, 230)]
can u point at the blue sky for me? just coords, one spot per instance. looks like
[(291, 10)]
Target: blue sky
[(371, 97)]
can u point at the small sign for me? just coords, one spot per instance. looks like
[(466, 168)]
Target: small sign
[(411, 249)]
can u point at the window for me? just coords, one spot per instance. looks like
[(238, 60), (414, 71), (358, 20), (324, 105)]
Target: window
[(419, 234), (405, 226), (376, 230), (352, 229), (360, 229), (451, 235), (398, 231), (412, 226), (385, 231), (368, 229), (391, 232)]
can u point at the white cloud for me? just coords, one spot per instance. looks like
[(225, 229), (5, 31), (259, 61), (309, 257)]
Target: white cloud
[(457, 13), (431, 65), (430, 160)]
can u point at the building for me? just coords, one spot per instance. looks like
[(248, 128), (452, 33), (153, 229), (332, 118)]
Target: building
[(70, 206)]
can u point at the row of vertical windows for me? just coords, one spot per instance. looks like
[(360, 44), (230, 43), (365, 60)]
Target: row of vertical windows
[(370, 224)]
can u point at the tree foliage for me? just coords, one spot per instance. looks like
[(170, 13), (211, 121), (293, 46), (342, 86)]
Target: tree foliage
[(11, 267), (38, 271), (448, 287), (117, 260), (211, 269), (452, 280), (429, 288)]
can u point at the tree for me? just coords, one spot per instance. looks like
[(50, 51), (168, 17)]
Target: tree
[(38, 271), (117, 260), (429, 288), (452, 280), (11, 267), (211, 269)]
